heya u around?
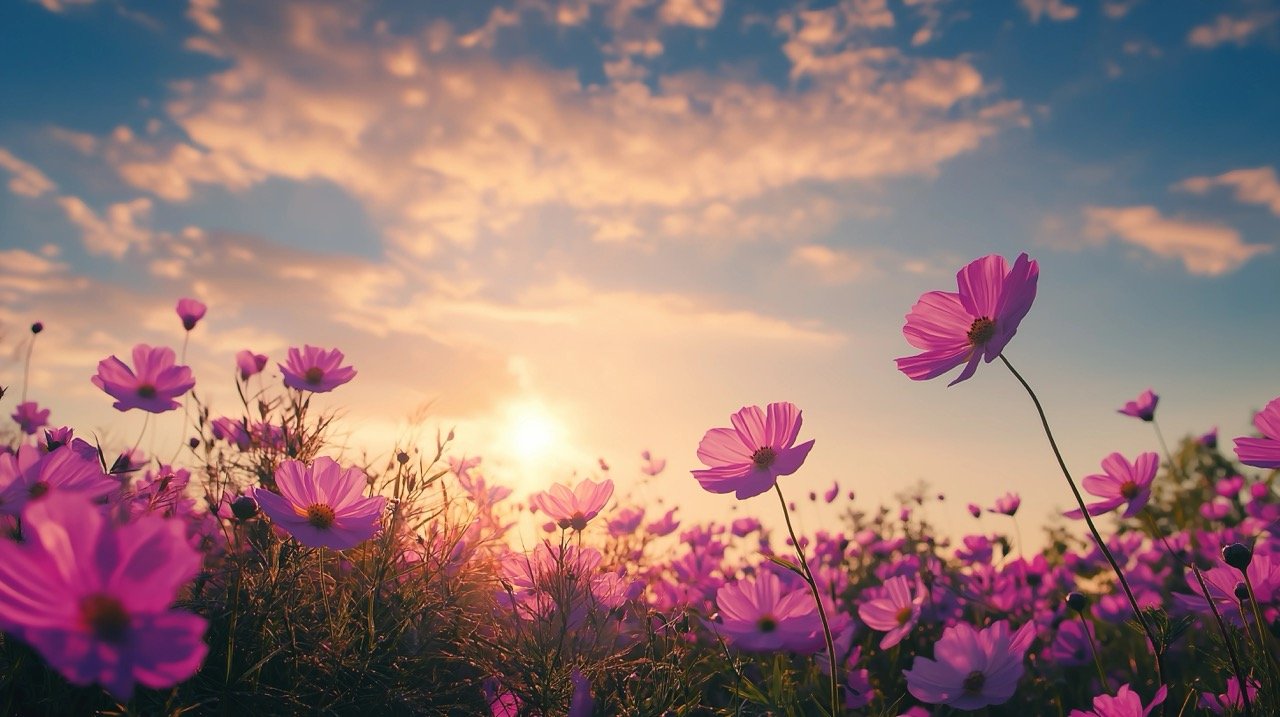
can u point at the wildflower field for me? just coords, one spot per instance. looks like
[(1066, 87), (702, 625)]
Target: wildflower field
[(256, 570)]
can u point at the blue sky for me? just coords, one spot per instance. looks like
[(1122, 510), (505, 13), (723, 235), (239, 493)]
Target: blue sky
[(624, 220)]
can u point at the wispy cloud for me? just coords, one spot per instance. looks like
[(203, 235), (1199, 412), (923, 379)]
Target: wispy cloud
[(1250, 186), (1236, 30), (1055, 10), (1204, 248), (26, 180)]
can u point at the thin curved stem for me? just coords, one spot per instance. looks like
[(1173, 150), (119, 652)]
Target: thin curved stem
[(1093, 529), (26, 367), (817, 598)]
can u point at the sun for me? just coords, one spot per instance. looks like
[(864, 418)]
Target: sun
[(531, 430)]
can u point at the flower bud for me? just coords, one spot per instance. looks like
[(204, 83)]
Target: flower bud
[(1242, 592), (1237, 555), (1077, 601), (244, 507), (37, 327)]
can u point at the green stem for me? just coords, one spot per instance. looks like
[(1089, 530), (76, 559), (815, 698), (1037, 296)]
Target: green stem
[(817, 598), (1084, 511)]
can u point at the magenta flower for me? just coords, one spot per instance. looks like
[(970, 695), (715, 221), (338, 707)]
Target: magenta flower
[(316, 370), (250, 363), (30, 474), (573, 508), (896, 612), (1125, 703), (93, 599), (973, 668), (322, 505), (652, 466), (749, 457), (190, 311), (30, 417), (1262, 452), (626, 522), (666, 525), (1144, 407), (977, 322), (760, 615), (152, 388), (1231, 700), (1007, 504), (1123, 482)]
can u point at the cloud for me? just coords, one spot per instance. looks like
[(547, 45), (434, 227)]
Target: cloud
[(1204, 248), (694, 13), (1250, 186), (1055, 10), (831, 266), (115, 234), (446, 145), (1119, 8), (26, 180), (1228, 29)]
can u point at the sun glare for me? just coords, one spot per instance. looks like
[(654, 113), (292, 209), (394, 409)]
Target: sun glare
[(531, 431)]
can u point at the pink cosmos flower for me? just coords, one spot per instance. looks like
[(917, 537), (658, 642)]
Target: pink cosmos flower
[(760, 615), (977, 322), (1231, 700), (1262, 452), (1007, 504), (250, 363), (652, 466), (625, 522), (152, 388), (190, 311), (1125, 703), (316, 370), (1072, 645), (30, 474), (742, 527), (573, 508), (93, 599), (666, 525), (896, 612), (973, 668), (322, 505), (30, 417), (1122, 483), (749, 457), (831, 493), (1144, 407)]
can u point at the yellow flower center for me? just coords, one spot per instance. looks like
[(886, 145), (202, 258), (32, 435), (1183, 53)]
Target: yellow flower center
[(320, 515)]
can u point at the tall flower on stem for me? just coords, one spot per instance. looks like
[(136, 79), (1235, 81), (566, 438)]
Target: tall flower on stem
[(896, 612), (747, 460), (977, 322), (153, 387), (1123, 483), (190, 311), (573, 508), (971, 324), (1143, 407), (315, 369)]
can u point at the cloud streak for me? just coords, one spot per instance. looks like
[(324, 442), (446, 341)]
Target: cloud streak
[(1204, 248)]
